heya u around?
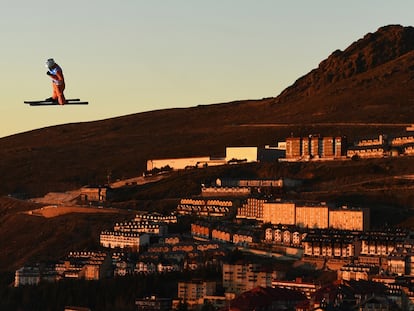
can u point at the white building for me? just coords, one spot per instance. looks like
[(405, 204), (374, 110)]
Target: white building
[(246, 154)]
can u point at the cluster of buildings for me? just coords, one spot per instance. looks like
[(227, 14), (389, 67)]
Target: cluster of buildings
[(300, 148), (305, 215), (369, 264)]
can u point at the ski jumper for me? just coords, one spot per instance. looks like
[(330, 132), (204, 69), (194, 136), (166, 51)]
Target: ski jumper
[(58, 84)]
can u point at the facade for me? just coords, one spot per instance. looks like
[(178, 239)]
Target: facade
[(192, 291), (204, 208), (279, 213), (282, 235), (159, 229), (346, 218), (382, 243), (315, 147), (117, 239), (312, 216), (27, 276), (294, 148), (330, 244), (84, 265), (245, 154), (225, 192), (252, 209), (355, 271), (241, 277), (156, 218)]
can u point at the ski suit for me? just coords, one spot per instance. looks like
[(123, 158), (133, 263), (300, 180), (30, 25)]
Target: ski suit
[(58, 84)]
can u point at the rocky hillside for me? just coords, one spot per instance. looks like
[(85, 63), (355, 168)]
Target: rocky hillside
[(374, 50)]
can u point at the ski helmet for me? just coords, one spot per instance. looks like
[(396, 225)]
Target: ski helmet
[(50, 62)]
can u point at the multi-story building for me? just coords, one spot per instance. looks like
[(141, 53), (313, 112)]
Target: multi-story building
[(279, 212), (205, 208), (117, 239), (330, 244), (382, 243), (191, 292), (283, 235), (315, 147), (87, 265), (293, 148), (226, 192), (345, 218), (154, 228), (252, 209), (312, 216), (27, 276), (240, 277), (356, 271), (156, 218)]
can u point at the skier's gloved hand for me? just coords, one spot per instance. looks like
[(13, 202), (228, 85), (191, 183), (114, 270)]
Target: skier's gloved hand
[(48, 73)]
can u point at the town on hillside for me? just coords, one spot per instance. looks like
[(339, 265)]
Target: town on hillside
[(249, 250)]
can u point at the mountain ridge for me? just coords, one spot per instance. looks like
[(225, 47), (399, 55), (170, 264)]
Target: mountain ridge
[(68, 156)]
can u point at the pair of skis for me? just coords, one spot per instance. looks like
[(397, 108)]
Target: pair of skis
[(74, 101)]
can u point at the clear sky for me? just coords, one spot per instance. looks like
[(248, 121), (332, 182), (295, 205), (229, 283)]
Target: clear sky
[(130, 56)]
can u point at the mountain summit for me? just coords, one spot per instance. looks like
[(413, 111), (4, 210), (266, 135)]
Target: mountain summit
[(374, 50)]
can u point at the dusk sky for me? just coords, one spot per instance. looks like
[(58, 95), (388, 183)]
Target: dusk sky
[(131, 56)]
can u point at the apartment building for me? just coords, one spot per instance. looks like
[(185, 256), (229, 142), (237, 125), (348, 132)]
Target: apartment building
[(346, 218), (117, 239), (241, 277), (279, 212), (85, 265), (204, 208), (382, 243), (152, 228), (357, 271), (225, 192), (312, 216), (283, 235), (251, 209), (315, 147), (330, 244), (27, 276), (191, 292), (156, 218)]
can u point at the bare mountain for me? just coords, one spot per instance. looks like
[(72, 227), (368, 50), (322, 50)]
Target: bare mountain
[(365, 90)]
